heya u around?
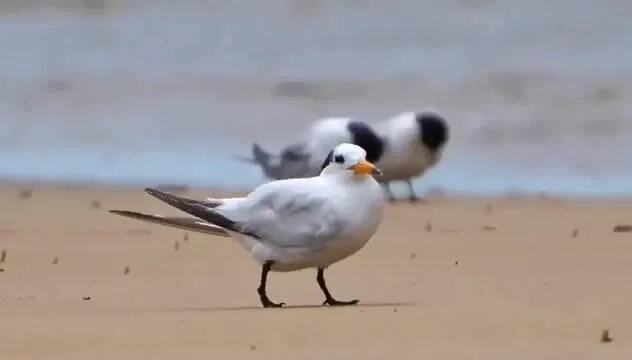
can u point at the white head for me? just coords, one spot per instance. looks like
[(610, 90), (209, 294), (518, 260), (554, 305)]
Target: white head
[(348, 159)]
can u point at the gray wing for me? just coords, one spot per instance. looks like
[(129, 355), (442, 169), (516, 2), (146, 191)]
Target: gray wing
[(292, 162), (295, 219), (185, 223), (295, 162), (295, 152)]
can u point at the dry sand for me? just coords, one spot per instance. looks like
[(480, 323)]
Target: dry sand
[(510, 280)]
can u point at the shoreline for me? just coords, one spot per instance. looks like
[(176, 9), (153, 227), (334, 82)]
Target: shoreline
[(436, 193)]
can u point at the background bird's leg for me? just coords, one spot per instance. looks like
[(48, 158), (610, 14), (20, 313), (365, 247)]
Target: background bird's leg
[(263, 296), (411, 191), (387, 189), (329, 300)]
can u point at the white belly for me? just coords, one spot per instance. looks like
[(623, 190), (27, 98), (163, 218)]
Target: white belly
[(334, 251), (403, 165)]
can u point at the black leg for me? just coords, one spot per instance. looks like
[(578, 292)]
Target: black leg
[(262, 286), (412, 196), (389, 193), (329, 300)]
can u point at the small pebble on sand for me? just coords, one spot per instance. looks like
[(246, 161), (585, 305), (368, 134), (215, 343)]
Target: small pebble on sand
[(605, 337), (253, 347), (186, 236), (25, 194), (456, 263), (126, 271), (55, 261), (3, 256), (95, 204), (622, 228), (1, 270), (428, 226), (413, 255), (176, 246), (7, 231), (575, 233), (489, 228), (87, 298)]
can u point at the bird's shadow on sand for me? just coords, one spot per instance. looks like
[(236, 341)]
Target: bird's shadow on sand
[(294, 307)]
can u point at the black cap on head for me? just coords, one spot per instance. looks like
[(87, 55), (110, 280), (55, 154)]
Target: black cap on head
[(328, 160), (363, 136), (433, 128)]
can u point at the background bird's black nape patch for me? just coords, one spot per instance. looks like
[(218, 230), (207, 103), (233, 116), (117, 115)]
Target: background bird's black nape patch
[(434, 130), (328, 160), (366, 138)]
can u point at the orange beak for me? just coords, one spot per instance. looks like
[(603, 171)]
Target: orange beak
[(364, 167)]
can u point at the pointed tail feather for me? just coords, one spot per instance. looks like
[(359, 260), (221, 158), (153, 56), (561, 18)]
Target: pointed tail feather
[(190, 224), (245, 159), (261, 156), (201, 210)]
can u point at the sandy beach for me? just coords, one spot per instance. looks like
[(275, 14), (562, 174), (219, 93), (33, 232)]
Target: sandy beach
[(454, 278)]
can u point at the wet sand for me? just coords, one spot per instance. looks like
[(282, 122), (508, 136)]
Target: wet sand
[(455, 278)]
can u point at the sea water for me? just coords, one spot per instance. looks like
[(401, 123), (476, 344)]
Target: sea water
[(538, 93)]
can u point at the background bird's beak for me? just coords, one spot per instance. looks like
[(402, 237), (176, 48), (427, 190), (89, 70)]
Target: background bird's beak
[(365, 167)]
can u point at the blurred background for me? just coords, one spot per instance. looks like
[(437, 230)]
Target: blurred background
[(537, 92)]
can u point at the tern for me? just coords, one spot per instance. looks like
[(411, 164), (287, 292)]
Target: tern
[(293, 224)]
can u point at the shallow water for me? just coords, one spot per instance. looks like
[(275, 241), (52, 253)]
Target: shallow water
[(537, 92)]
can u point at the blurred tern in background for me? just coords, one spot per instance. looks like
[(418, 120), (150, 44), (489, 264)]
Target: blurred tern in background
[(304, 158), (293, 224), (407, 145), (413, 143)]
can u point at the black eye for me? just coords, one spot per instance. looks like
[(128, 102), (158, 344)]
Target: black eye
[(339, 159)]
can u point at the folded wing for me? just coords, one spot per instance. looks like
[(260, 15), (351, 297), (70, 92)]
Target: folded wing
[(290, 213), (284, 214)]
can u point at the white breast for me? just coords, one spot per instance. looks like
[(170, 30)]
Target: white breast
[(363, 205)]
